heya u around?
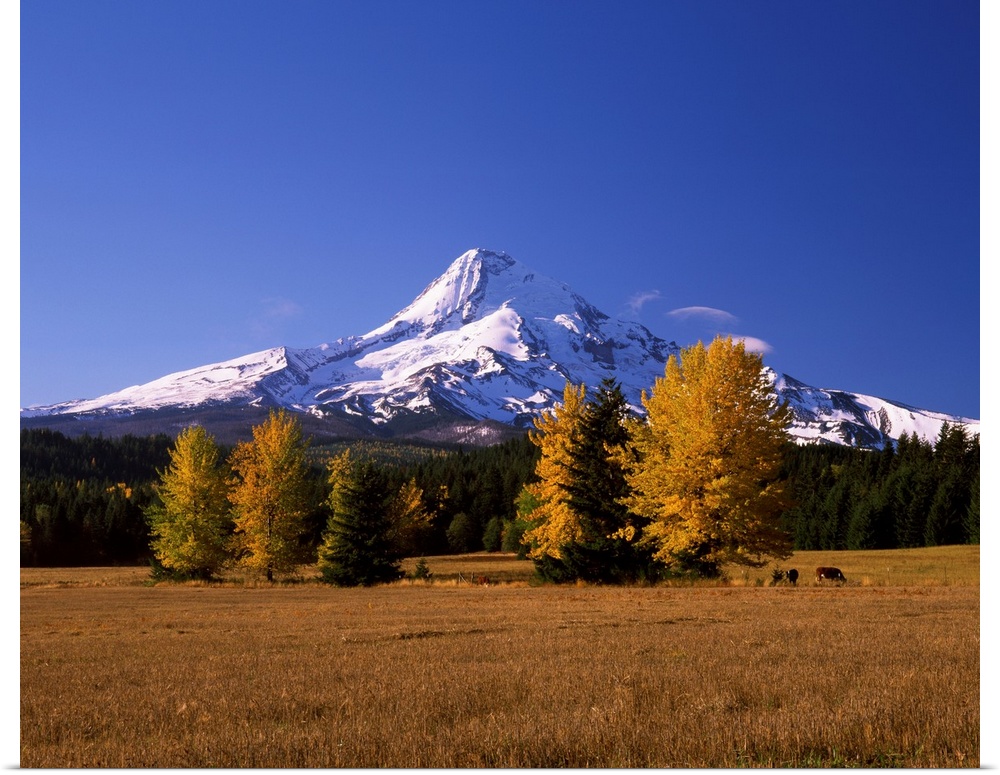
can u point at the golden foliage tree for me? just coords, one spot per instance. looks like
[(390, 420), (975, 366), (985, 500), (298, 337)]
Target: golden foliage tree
[(411, 521), (710, 452), (270, 496), (190, 524), (554, 523)]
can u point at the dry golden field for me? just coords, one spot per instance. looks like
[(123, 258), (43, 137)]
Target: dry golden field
[(936, 566), (883, 672)]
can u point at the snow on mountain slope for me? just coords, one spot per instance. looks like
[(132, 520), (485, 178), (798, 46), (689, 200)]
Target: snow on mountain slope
[(487, 340), (854, 419), (236, 379)]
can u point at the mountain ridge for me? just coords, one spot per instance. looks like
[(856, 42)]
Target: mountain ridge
[(488, 343)]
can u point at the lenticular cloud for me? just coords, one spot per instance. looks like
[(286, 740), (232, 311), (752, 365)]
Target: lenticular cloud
[(709, 314)]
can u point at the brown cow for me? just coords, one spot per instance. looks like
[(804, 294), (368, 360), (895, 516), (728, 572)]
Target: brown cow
[(829, 574)]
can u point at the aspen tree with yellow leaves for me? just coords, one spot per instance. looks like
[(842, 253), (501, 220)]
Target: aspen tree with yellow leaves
[(270, 496), (710, 452), (411, 522), (545, 503), (190, 524)]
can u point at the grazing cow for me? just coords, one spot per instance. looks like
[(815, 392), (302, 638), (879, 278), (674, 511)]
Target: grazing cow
[(829, 574), (792, 576), (483, 581)]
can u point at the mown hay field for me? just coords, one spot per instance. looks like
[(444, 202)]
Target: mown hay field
[(115, 673)]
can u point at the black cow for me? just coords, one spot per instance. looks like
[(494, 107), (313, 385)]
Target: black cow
[(778, 575), (829, 574)]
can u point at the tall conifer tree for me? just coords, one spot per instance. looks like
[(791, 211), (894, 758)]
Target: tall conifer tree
[(600, 460), (357, 549), (972, 515)]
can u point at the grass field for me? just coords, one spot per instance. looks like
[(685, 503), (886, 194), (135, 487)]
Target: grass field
[(882, 671), (937, 566)]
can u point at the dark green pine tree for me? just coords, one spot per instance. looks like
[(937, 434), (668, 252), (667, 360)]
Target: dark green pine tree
[(972, 515), (804, 519), (954, 453), (610, 552), (918, 506), (885, 462), (860, 529), (912, 486), (947, 515), (837, 506), (356, 548), (871, 525), (951, 450)]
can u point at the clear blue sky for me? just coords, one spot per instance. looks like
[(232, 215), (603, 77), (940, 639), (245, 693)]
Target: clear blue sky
[(202, 180)]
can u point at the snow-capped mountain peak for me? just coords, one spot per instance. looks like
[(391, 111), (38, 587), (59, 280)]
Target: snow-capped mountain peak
[(476, 284), (488, 340)]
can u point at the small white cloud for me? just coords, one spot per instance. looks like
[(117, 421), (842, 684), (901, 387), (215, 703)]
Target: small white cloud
[(705, 313), (639, 299), (752, 344)]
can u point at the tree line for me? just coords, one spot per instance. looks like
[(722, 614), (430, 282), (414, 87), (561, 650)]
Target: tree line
[(258, 510), (84, 501), (706, 478), (913, 493)]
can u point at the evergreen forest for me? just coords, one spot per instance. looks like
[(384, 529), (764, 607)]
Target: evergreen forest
[(84, 500)]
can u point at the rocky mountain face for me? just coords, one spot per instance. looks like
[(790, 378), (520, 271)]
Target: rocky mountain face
[(482, 350)]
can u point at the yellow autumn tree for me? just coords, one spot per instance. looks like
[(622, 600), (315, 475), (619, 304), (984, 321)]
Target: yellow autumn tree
[(545, 504), (270, 496), (710, 452), (411, 521), (190, 522)]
